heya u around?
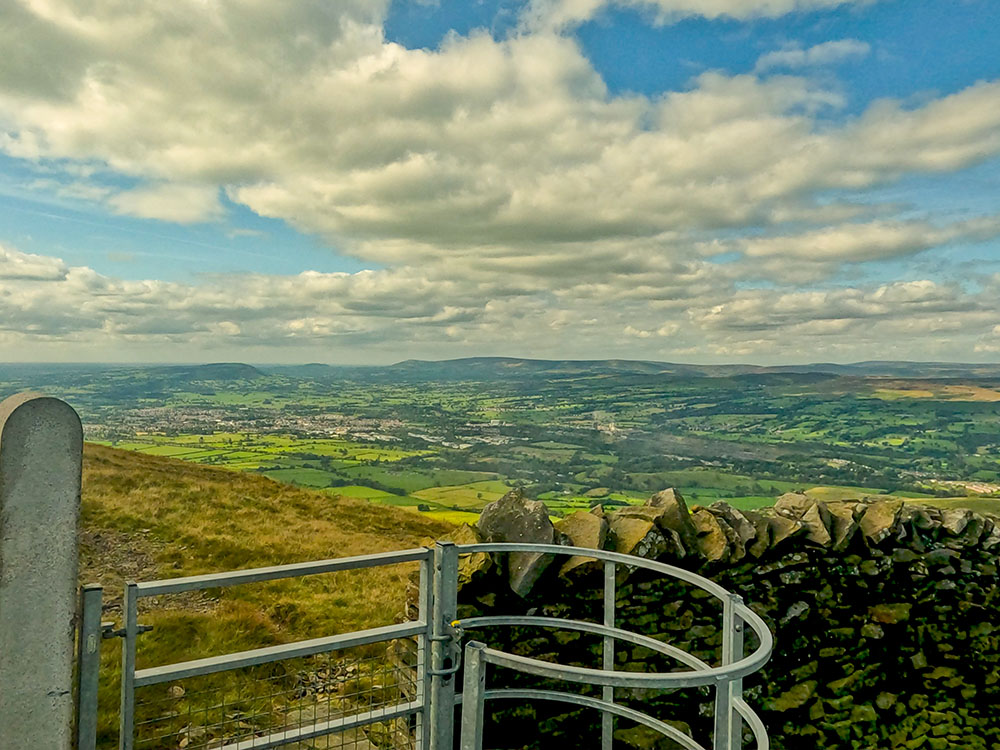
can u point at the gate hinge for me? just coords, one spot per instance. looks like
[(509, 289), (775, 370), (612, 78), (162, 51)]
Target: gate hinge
[(108, 630)]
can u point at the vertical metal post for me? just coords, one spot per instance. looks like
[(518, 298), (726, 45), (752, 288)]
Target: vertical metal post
[(130, 614), (722, 737), (424, 613), (608, 661), (736, 689), (443, 654), (473, 696), (88, 666)]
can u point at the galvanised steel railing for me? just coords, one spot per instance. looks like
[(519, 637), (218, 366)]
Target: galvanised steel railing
[(133, 679), (430, 711), (727, 678)]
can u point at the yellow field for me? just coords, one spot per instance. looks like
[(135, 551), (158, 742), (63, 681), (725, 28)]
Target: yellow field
[(452, 516), (970, 393), (892, 394), (898, 390)]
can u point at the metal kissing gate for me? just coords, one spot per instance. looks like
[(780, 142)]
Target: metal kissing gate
[(365, 695)]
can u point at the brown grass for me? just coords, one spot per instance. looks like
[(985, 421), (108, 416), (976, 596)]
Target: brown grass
[(970, 393), (145, 517)]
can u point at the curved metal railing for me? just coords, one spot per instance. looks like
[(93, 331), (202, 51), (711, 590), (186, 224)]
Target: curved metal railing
[(437, 633), (727, 678)]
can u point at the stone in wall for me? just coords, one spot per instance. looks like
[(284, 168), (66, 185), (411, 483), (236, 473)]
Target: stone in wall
[(675, 514), (512, 518), (583, 529), (471, 566), (812, 514)]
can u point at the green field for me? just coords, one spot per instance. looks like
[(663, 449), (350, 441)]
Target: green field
[(304, 477), (473, 495), (573, 434), (361, 491), (392, 476)]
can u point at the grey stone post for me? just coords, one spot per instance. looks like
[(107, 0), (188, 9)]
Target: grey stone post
[(41, 448)]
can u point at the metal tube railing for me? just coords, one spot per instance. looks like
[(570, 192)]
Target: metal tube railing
[(88, 666), (438, 656), (425, 598), (739, 668), (723, 691), (133, 678), (475, 694), (602, 554), (323, 728), (443, 656), (604, 706), (130, 614), (258, 656), (636, 639), (608, 654), (276, 572), (727, 678)]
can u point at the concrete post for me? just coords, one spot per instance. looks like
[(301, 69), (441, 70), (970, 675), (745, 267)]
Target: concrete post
[(41, 449)]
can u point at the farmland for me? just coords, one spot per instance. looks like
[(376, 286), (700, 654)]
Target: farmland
[(447, 438)]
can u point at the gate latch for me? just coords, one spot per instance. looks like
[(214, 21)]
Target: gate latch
[(453, 637)]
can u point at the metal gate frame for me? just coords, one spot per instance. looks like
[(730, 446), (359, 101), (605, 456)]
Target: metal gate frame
[(438, 634), (727, 678)]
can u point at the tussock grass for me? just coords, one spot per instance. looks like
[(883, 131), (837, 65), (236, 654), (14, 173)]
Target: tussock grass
[(147, 517)]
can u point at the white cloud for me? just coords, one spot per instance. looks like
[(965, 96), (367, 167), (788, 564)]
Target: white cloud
[(508, 195), (561, 13), (837, 310), (989, 343), (483, 143), (183, 204), (826, 53), (17, 265), (857, 242), (77, 311), (510, 143)]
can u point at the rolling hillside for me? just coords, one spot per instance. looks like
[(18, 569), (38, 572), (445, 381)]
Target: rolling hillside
[(148, 516), (145, 517)]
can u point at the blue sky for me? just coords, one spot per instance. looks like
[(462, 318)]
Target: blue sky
[(83, 233), (773, 181), (931, 46)]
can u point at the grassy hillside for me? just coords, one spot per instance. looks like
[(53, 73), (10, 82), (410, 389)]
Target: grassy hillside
[(146, 517)]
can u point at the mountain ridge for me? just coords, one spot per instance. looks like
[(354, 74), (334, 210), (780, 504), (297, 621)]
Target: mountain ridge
[(500, 368), (497, 367)]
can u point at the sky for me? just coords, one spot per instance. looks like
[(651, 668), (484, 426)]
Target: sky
[(366, 181)]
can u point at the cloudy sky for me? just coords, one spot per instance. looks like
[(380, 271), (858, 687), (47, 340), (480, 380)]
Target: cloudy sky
[(363, 181)]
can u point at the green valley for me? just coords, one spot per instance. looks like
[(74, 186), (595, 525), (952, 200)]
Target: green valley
[(446, 438)]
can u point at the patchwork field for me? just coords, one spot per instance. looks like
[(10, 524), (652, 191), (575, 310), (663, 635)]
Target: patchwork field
[(450, 437), (389, 476)]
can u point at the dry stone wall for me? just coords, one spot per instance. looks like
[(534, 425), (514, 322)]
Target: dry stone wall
[(886, 616)]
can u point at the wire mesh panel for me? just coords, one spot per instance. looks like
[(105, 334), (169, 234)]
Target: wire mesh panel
[(285, 703), (359, 690)]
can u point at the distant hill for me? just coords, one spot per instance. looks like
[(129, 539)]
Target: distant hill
[(900, 369), (146, 380), (487, 367), (213, 371), (505, 367)]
